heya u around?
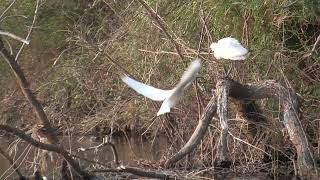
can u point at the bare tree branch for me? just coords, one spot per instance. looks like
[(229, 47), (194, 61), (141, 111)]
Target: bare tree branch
[(121, 168), (198, 133), (103, 144), (50, 147), (24, 85)]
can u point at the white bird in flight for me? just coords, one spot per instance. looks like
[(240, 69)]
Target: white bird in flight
[(169, 97), (228, 48)]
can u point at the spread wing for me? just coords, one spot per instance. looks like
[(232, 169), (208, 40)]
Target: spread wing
[(190, 74), (146, 90), (165, 108)]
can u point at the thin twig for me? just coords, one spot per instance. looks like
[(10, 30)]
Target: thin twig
[(7, 9), (21, 158), (238, 139), (15, 168), (14, 37), (117, 64), (201, 39), (290, 4), (192, 52), (159, 21), (204, 22), (30, 30), (58, 58), (89, 160), (315, 44), (136, 171), (105, 142)]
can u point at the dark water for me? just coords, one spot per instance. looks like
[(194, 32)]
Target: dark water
[(131, 151)]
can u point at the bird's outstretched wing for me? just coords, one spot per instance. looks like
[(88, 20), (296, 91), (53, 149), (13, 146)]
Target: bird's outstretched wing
[(146, 90), (190, 74), (165, 107), (177, 92)]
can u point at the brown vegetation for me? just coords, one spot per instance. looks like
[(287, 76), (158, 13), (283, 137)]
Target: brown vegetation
[(68, 85)]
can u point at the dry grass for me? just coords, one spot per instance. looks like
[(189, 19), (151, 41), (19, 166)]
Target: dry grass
[(83, 89)]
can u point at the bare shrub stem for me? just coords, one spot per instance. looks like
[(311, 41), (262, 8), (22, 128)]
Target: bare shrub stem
[(161, 24)]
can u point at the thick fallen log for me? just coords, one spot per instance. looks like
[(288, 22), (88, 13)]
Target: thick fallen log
[(290, 104), (250, 92)]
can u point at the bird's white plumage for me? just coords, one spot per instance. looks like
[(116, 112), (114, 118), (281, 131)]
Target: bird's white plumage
[(228, 48), (169, 97), (191, 73), (165, 107), (146, 90)]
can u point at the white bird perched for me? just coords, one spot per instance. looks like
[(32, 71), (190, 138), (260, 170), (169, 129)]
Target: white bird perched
[(228, 48), (169, 97)]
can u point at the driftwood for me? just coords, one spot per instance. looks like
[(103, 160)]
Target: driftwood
[(222, 156), (268, 89)]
